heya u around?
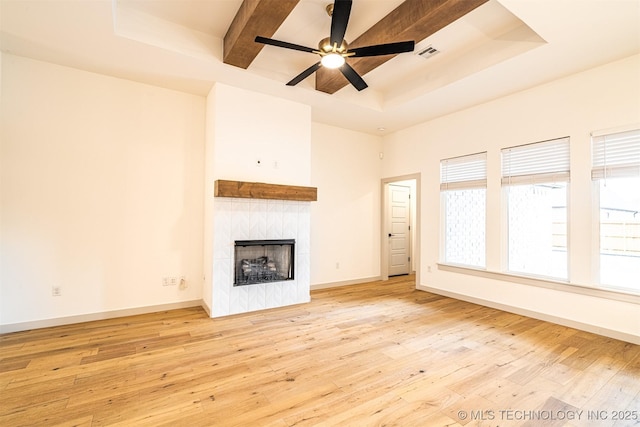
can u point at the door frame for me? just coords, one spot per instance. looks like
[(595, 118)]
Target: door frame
[(384, 247)]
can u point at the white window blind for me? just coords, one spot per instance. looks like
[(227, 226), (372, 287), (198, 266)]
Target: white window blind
[(546, 161), (616, 155), (464, 172)]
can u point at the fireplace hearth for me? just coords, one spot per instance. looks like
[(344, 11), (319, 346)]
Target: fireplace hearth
[(263, 261)]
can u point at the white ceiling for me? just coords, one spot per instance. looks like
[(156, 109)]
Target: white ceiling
[(502, 47)]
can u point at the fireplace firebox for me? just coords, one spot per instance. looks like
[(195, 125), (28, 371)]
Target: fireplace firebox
[(263, 261)]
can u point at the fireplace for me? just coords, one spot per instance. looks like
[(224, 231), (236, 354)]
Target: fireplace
[(238, 219), (263, 261)]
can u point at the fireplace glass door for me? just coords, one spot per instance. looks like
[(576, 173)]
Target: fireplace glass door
[(263, 261)]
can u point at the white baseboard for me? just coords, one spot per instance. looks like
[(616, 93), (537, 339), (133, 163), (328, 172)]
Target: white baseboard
[(634, 339), (206, 308), (344, 283), (46, 323)]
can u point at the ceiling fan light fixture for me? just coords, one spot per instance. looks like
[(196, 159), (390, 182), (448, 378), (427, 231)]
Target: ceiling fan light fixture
[(332, 60)]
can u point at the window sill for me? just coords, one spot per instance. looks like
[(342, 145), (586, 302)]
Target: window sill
[(544, 283)]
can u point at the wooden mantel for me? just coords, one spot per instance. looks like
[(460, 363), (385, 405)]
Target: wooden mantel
[(260, 190)]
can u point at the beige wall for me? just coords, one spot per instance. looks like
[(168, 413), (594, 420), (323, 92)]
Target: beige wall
[(101, 192), (345, 221), (103, 182), (103, 189), (600, 98), (247, 127)]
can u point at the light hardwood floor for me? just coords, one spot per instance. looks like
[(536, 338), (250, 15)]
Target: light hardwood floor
[(375, 354)]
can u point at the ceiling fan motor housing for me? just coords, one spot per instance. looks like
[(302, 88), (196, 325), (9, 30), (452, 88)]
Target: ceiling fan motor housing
[(325, 46)]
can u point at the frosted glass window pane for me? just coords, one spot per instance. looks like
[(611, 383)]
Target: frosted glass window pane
[(465, 213)]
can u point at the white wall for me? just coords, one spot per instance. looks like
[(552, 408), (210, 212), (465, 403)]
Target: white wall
[(345, 221), (600, 98), (2, 297), (248, 127), (102, 183)]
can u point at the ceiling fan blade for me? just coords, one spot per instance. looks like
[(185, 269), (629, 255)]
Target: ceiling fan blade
[(303, 75), (353, 77), (383, 49), (339, 21), (286, 45)]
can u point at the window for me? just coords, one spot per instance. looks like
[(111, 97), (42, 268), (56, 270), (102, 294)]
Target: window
[(463, 188), (616, 175), (535, 179)]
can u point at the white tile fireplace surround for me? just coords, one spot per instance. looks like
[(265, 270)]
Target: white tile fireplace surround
[(258, 219)]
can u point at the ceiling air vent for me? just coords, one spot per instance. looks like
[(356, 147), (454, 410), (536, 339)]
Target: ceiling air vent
[(428, 52)]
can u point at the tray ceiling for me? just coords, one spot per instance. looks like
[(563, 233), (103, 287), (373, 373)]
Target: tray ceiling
[(496, 49)]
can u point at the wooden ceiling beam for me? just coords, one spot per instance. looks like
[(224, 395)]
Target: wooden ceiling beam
[(412, 20), (254, 18)]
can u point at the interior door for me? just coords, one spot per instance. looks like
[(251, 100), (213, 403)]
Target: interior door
[(399, 229)]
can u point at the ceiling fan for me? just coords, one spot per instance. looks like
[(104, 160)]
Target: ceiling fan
[(334, 50)]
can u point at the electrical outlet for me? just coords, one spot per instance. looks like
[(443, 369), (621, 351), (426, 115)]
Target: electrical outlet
[(170, 281), (56, 291), (337, 266), (183, 283)]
